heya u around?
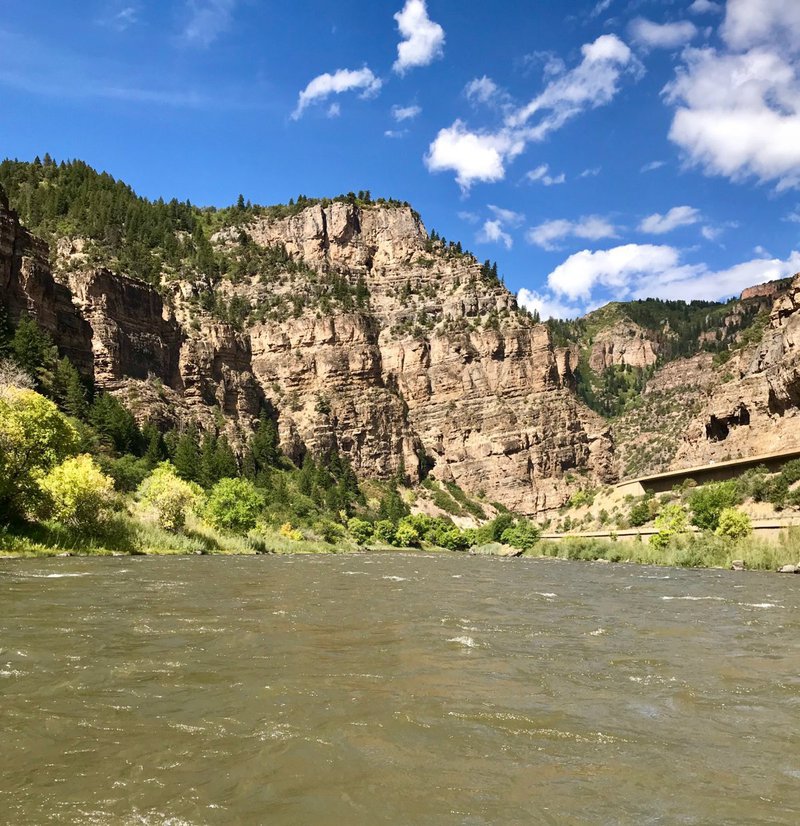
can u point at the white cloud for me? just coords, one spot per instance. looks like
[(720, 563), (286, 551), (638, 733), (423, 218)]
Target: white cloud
[(342, 80), (711, 233), (423, 40), (705, 7), (542, 174), (401, 113), (593, 172), (546, 306), (492, 232), (652, 35), (334, 110), (207, 20), (646, 271), (793, 217), (600, 7), (482, 155), (507, 216), (481, 89), (395, 133), (652, 166), (737, 109), (681, 216), (750, 23), (589, 228), (472, 156), (592, 83), (469, 217)]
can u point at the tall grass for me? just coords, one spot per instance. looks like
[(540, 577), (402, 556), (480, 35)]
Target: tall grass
[(685, 551)]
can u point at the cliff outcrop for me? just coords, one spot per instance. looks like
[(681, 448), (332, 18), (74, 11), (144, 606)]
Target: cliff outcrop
[(359, 333), (754, 406)]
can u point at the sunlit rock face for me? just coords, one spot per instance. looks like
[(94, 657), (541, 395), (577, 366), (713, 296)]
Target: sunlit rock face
[(433, 369)]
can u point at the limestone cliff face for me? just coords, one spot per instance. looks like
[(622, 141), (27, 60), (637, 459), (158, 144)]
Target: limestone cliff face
[(754, 407), (624, 344), (438, 371)]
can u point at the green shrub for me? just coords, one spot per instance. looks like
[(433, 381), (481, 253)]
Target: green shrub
[(128, 472), (360, 530), (385, 531), (78, 494), (733, 524), (791, 471), (170, 497), (778, 492), (639, 514), (523, 535), (234, 505), (671, 521), (406, 536), (708, 502), (34, 437)]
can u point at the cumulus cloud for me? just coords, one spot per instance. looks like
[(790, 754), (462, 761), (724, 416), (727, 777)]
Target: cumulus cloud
[(793, 217), (750, 23), (422, 39), (546, 305), (481, 89), (652, 35), (705, 7), (649, 271), (471, 155), (589, 228), (542, 174), (401, 113), (483, 155), (680, 216), (737, 109), (342, 80), (493, 232), (507, 216)]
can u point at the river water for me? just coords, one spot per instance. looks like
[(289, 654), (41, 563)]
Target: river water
[(402, 689)]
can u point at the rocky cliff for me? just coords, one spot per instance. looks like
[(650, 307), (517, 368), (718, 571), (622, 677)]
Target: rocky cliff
[(754, 405), (433, 369)]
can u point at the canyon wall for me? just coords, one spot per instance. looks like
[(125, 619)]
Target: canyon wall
[(438, 371)]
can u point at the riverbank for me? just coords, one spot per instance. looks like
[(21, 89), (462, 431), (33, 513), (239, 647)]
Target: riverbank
[(686, 551)]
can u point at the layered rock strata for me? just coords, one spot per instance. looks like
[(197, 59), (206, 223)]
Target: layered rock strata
[(439, 371)]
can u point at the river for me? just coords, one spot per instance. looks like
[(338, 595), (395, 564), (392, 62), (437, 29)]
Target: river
[(396, 689)]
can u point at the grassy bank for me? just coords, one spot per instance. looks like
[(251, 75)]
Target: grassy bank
[(685, 551)]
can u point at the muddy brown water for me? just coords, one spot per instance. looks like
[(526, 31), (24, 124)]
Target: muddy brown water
[(400, 689)]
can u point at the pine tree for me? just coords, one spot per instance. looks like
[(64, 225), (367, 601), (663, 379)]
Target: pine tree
[(68, 391), (226, 466), (263, 447), (208, 461), (187, 455), (307, 475), (33, 350), (115, 424), (156, 450)]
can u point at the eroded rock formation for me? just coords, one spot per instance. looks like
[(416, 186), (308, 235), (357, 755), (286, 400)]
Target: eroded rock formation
[(438, 371)]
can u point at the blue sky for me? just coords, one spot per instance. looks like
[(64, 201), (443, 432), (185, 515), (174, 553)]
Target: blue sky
[(596, 149)]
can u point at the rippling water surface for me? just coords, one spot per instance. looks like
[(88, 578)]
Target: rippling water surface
[(396, 689)]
